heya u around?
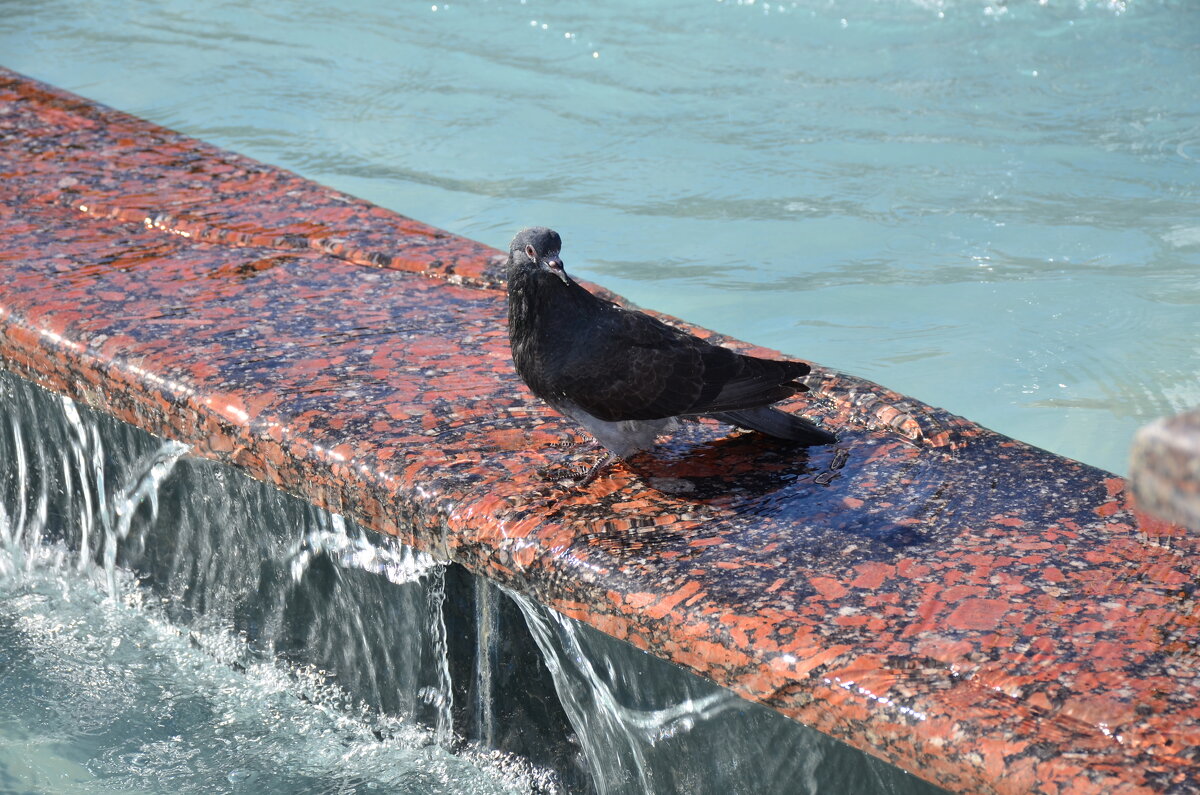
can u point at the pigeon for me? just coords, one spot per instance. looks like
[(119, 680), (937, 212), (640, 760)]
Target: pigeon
[(628, 377)]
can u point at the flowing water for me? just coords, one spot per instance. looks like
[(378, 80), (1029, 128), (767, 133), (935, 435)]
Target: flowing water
[(169, 625), (992, 206)]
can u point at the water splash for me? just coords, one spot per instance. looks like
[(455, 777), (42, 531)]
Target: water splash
[(102, 697), (184, 628)]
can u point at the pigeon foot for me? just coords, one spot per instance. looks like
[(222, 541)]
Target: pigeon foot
[(575, 476)]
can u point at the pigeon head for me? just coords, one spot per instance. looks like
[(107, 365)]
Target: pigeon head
[(535, 249)]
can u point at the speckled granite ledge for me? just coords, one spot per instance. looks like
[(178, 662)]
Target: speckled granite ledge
[(1165, 469), (983, 613)]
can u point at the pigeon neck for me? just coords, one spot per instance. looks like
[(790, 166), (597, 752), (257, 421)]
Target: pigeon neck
[(543, 312)]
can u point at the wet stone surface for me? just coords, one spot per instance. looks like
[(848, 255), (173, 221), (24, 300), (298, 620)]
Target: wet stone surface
[(985, 614)]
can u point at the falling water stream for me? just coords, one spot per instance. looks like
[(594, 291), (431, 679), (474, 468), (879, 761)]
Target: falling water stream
[(168, 624)]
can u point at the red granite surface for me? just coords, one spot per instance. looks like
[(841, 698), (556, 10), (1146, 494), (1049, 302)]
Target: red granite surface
[(981, 612)]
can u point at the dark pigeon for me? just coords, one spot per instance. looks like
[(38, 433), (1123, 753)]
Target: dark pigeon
[(625, 376)]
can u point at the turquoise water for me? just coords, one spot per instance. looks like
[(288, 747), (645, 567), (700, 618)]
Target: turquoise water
[(990, 206)]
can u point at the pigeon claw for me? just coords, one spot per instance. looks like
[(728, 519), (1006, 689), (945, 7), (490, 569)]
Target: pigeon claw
[(575, 476), (591, 474)]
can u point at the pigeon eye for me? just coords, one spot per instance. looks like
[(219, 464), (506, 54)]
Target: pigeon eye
[(529, 252)]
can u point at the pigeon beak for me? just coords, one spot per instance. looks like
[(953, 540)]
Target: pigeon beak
[(555, 266)]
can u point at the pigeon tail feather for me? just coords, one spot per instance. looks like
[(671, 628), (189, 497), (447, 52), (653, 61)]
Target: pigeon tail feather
[(779, 424)]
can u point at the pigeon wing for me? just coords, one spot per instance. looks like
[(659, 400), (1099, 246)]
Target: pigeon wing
[(631, 366)]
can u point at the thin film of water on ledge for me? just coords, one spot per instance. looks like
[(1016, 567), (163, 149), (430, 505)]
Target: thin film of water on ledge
[(169, 624)]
